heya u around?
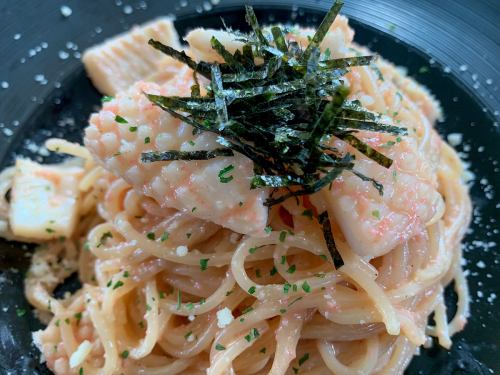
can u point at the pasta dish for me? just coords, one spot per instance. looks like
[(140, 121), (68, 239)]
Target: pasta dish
[(271, 202)]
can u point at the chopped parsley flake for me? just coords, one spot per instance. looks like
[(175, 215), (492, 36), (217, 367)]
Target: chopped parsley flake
[(104, 237), (164, 236), (105, 99), (118, 284), (268, 229), (147, 140), (20, 312), (254, 333), (126, 274), (49, 230), (223, 174), (151, 236), (132, 129), (78, 317), (423, 69), (179, 299), (263, 350), (291, 269), (282, 236), (252, 250), (273, 271), (283, 259), (306, 287), (119, 119), (124, 354), (376, 214), (219, 347), (204, 264), (304, 358), (251, 290), (286, 288)]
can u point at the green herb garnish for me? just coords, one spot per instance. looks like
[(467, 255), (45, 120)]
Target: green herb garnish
[(304, 358), (119, 119), (219, 347), (280, 113), (20, 312), (223, 174), (204, 264)]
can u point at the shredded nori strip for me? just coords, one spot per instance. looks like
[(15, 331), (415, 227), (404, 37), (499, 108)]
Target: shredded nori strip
[(150, 157), (278, 104), (326, 226)]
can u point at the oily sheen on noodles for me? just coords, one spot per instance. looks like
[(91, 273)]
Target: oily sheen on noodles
[(179, 274)]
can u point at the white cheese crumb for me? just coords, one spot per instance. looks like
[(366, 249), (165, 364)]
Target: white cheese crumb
[(190, 338), (454, 139), (80, 354), (224, 317), (480, 264), (66, 11), (181, 251), (191, 318), (37, 341)]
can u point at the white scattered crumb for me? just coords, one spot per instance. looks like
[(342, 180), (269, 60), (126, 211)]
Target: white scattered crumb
[(181, 251), (4, 85), (491, 297), (190, 338), (480, 264), (40, 78), (66, 11), (480, 294), (63, 55), (463, 68), (224, 317), (80, 354), (127, 9), (454, 139), (191, 318)]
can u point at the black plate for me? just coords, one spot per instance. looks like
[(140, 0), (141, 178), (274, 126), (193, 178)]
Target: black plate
[(462, 37)]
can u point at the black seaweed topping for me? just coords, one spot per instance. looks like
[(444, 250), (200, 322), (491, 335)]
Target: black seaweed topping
[(279, 105)]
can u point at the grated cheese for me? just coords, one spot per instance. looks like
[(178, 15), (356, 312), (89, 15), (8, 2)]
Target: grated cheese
[(224, 317), (80, 354), (181, 251)]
